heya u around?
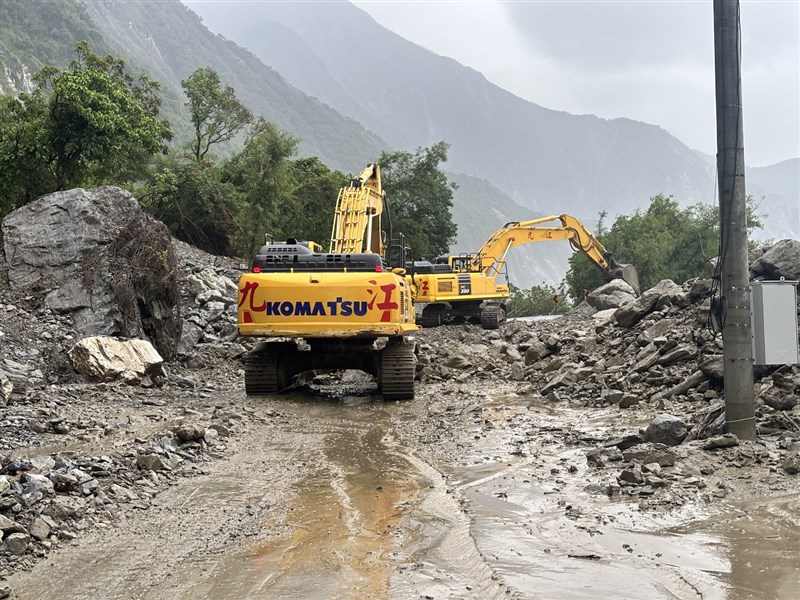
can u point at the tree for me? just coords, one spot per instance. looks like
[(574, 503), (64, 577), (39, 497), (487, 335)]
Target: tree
[(662, 242), (194, 202), (88, 125), (261, 174), (314, 190), (103, 123), (419, 199), (538, 300), (217, 115), (24, 166)]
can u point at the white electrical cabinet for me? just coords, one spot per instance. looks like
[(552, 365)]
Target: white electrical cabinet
[(773, 316)]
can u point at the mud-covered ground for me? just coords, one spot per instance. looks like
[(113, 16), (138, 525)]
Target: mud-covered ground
[(526, 467)]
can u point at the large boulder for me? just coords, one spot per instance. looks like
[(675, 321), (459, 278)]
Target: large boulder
[(107, 359), (611, 295), (96, 255), (780, 260), (665, 291)]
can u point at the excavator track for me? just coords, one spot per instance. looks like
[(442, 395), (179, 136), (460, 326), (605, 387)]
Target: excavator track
[(262, 370), (397, 370), (433, 315), (492, 315)]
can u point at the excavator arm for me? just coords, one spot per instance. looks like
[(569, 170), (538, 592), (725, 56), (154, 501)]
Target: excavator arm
[(491, 257), (357, 219)]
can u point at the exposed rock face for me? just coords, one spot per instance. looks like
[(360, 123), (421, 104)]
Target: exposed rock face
[(97, 256), (107, 359), (780, 260)]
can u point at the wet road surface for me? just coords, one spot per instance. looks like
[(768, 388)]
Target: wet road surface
[(325, 500)]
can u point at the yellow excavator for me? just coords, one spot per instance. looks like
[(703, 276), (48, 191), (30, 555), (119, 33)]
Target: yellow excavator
[(348, 306), (468, 286)]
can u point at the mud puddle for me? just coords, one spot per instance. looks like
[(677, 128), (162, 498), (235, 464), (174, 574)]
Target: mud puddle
[(546, 537)]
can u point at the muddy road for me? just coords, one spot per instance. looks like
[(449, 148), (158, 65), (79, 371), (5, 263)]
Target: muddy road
[(461, 493)]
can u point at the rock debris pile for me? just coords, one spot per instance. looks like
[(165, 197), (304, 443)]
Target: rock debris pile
[(80, 447)]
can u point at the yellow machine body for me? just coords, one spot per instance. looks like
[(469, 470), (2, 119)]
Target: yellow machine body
[(325, 305)]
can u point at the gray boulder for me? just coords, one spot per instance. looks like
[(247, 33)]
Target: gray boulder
[(780, 260), (611, 295), (666, 429), (96, 255), (663, 292)]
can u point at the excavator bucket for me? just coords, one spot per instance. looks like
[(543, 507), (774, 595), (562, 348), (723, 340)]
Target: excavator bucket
[(629, 275)]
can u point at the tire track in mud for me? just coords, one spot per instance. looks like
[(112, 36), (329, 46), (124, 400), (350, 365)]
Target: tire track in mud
[(318, 501)]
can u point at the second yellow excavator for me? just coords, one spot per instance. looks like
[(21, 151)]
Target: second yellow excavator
[(468, 286)]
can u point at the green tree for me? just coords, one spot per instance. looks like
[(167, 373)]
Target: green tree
[(538, 300), (314, 190), (24, 154), (91, 124), (194, 202), (261, 174), (103, 123), (662, 242), (217, 114), (419, 198)]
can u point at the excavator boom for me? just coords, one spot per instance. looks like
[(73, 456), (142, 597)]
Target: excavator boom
[(467, 286), (357, 219)]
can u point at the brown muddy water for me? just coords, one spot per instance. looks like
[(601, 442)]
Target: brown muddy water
[(364, 516)]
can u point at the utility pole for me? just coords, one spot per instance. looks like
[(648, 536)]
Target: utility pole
[(733, 267)]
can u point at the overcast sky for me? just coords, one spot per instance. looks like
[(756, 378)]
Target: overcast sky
[(643, 59)]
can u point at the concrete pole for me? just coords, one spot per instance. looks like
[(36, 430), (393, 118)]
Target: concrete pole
[(734, 272)]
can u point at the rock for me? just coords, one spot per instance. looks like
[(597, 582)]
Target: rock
[(713, 367), (629, 400), (4, 484), (62, 508), (633, 312), (679, 354), (726, 440), (76, 243), (189, 433), (603, 318), (633, 476), (614, 294), (38, 483), (107, 359), (536, 351), (650, 453), (6, 389), (152, 462), (559, 381), (791, 464), (207, 280), (666, 429), (39, 530), (190, 337), (517, 371), (16, 543), (10, 526), (780, 260)]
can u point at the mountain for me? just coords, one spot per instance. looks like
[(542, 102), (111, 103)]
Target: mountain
[(168, 41), (776, 189), (545, 160), (480, 209)]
